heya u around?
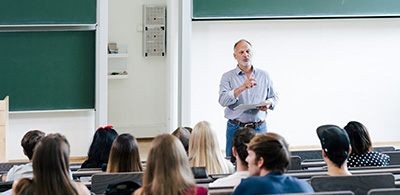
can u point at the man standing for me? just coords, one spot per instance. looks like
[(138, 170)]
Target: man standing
[(245, 85)]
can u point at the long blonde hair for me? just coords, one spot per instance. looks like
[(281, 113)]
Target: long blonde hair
[(124, 155), (50, 169), (167, 168), (204, 150)]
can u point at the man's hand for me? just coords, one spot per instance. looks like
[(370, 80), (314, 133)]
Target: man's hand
[(265, 108), (249, 83)]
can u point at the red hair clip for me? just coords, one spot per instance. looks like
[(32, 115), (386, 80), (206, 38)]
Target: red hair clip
[(105, 127)]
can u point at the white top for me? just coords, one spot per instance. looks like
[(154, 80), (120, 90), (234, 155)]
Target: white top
[(23, 171), (231, 180), (20, 171)]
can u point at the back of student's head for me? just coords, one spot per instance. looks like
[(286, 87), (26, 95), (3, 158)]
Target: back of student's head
[(274, 150), (204, 149), (29, 141), (335, 143), (167, 167), (124, 155), (359, 137), (183, 134), (99, 150), (241, 138), (50, 168)]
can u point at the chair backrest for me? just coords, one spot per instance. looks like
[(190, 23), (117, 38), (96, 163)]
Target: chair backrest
[(295, 163), (394, 157), (308, 154), (384, 191), (359, 184), (100, 181), (384, 148), (220, 191), (326, 193), (6, 166), (4, 186)]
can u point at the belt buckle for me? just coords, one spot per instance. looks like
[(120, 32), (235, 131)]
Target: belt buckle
[(250, 125)]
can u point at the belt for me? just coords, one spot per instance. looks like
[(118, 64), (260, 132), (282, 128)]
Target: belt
[(250, 125)]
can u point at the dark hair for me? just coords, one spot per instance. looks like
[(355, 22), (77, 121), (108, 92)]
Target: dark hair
[(359, 137), (241, 40), (124, 155), (240, 139), (50, 168), (183, 134), (29, 141), (99, 150), (273, 149)]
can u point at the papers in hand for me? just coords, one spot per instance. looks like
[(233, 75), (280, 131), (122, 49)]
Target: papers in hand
[(250, 106)]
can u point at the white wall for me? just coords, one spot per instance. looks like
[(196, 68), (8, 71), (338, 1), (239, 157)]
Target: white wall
[(325, 71), (77, 127), (137, 105)]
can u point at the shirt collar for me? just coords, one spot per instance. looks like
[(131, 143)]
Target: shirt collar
[(239, 72)]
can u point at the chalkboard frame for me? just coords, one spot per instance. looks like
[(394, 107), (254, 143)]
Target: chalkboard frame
[(292, 9)]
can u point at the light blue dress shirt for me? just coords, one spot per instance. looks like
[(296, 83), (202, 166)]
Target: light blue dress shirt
[(264, 90)]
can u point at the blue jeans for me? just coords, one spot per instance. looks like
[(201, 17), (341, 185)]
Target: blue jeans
[(231, 129)]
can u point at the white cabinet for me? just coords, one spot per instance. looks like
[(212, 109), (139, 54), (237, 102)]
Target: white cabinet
[(118, 66)]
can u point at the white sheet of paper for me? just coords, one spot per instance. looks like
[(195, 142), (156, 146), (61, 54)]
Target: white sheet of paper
[(250, 106)]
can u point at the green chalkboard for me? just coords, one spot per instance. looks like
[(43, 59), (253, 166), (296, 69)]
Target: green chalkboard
[(48, 70), (16, 12), (259, 9)]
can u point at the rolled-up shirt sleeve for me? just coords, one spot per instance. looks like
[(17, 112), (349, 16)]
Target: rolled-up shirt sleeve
[(226, 92), (272, 95)]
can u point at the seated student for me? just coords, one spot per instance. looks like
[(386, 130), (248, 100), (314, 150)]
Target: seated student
[(28, 143), (167, 170), (50, 170), (204, 150), (240, 139), (124, 155), (361, 147), (335, 148), (183, 134), (99, 150), (268, 159)]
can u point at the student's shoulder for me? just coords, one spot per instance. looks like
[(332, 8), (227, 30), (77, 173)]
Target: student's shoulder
[(302, 185), (254, 180)]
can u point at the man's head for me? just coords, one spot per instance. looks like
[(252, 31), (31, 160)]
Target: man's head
[(29, 141), (243, 52), (335, 143), (268, 152), (240, 140)]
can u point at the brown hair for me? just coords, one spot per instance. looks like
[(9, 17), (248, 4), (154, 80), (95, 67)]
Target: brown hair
[(240, 140), (29, 141), (50, 169), (359, 137), (167, 169), (273, 149), (183, 134), (124, 155)]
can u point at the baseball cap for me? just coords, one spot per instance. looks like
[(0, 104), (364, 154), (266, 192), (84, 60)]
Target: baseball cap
[(335, 142)]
